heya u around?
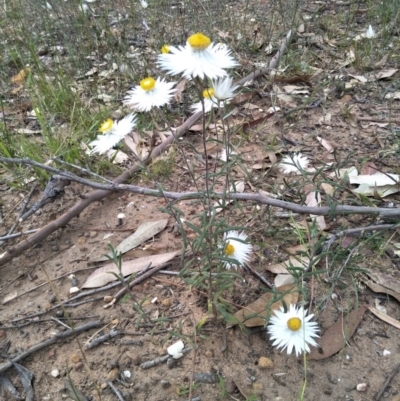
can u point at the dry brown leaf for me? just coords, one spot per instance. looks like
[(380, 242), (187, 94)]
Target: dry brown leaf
[(328, 188), (131, 144), (144, 232), (272, 157), (368, 168), (386, 318), (325, 144), (19, 79), (241, 98), (258, 311), (283, 279), (103, 275), (296, 90), (296, 262), (393, 95), (10, 297), (335, 338), (196, 127), (386, 73), (313, 199), (179, 88), (352, 120), (386, 280)]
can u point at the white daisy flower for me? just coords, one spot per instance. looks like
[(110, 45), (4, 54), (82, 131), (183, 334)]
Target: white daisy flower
[(219, 93), (370, 32), (293, 163), (199, 58), (150, 93), (293, 330), (236, 248), (112, 133)]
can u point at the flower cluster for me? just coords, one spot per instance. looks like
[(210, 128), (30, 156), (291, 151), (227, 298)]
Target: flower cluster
[(199, 59), (205, 63)]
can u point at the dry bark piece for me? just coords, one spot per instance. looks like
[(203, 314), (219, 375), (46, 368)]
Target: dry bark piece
[(256, 313), (334, 339)]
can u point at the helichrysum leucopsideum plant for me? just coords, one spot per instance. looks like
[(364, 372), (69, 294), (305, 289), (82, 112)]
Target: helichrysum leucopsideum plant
[(204, 64)]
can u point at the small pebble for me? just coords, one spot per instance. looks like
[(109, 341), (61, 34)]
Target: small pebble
[(258, 388), (265, 363), (127, 374), (171, 363), (52, 353), (74, 280), (75, 358), (135, 358), (55, 373), (108, 298), (93, 234), (208, 353), (52, 298), (104, 386), (362, 387), (78, 366), (165, 383), (60, 313), (73, 290)]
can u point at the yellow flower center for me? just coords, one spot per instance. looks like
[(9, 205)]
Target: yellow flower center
[(198, 41), (106, 126), (165, 49), (147, 84), (294, 324), (208, 93), (229, 250)]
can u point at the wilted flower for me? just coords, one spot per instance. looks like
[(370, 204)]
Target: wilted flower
[(370, 32), (293, 163)]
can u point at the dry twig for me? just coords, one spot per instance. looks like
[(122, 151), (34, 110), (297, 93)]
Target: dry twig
[(50, 341)]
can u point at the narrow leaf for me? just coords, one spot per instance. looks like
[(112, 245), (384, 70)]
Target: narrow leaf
[(142, 234), (104, 275)]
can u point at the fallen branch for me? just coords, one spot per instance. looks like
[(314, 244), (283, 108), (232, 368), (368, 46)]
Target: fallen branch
[(258, 198), (50, 341), (99, 340), (116, 391), (387, 382), (98, 195)]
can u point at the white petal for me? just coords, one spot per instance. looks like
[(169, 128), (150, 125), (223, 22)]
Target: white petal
[(175, 350)]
